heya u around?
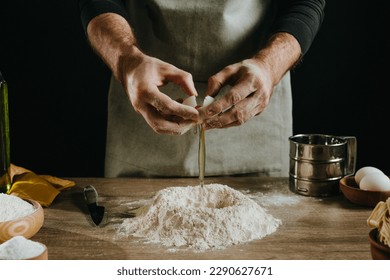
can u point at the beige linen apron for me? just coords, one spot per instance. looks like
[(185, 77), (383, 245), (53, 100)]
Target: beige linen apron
[(200, 37)]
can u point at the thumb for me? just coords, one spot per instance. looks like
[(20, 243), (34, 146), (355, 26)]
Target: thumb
[(184, 80), (218, 80)]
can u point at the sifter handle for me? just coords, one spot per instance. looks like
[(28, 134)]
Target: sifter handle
[(351, 154)]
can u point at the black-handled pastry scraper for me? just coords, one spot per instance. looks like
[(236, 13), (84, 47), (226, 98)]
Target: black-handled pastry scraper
[(96, 211)]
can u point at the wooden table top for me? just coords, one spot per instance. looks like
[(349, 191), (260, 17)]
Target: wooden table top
[(312, 228)]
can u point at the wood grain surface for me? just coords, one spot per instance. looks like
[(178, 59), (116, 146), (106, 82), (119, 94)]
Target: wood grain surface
[(312, 228)]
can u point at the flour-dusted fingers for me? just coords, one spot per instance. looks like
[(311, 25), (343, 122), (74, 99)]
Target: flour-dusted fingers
[(237, 114), (166, 124), (167, 106)]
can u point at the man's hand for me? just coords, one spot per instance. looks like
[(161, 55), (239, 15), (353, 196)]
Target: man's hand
[(250, 93), (252, 82), (141, 76)]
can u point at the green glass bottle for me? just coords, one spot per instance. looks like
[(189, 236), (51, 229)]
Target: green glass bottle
[(5, 179)]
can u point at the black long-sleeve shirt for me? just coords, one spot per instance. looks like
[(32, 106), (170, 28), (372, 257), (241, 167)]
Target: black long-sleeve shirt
[(301, 18)]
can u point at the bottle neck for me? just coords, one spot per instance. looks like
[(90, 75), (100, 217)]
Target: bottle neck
[(5, 180)]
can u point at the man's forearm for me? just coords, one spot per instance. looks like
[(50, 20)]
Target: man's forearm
[(280, 54), (111, 37)]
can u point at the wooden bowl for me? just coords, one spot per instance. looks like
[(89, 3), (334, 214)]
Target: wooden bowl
[(379, 251), (353, 193), (26, 226)]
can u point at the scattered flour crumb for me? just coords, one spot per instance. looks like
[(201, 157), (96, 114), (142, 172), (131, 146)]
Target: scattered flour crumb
[(210, 217), (275, 199)]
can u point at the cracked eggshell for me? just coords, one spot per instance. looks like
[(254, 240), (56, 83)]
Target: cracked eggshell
[(207, 101), (190, 101)]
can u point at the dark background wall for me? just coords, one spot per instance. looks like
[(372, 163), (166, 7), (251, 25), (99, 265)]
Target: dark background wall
[(58, 86)]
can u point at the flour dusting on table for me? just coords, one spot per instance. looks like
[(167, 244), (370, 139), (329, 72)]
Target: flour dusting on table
[(211, 217)]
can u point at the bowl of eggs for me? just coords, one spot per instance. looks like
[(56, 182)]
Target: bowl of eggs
[(367, 187)]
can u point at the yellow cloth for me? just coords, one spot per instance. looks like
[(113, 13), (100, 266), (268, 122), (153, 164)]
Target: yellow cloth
[(41, 188)]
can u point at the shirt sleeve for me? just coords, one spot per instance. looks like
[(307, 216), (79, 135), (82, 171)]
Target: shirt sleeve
[(300, 18), (92, 8)]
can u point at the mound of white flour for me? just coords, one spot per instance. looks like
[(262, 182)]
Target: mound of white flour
[(202, 218)]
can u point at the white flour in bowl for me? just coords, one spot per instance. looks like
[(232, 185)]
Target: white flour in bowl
[(211, 217), (19, 248), (13, 207)]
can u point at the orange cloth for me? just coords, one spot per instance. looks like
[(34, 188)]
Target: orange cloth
[(41, 188)]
